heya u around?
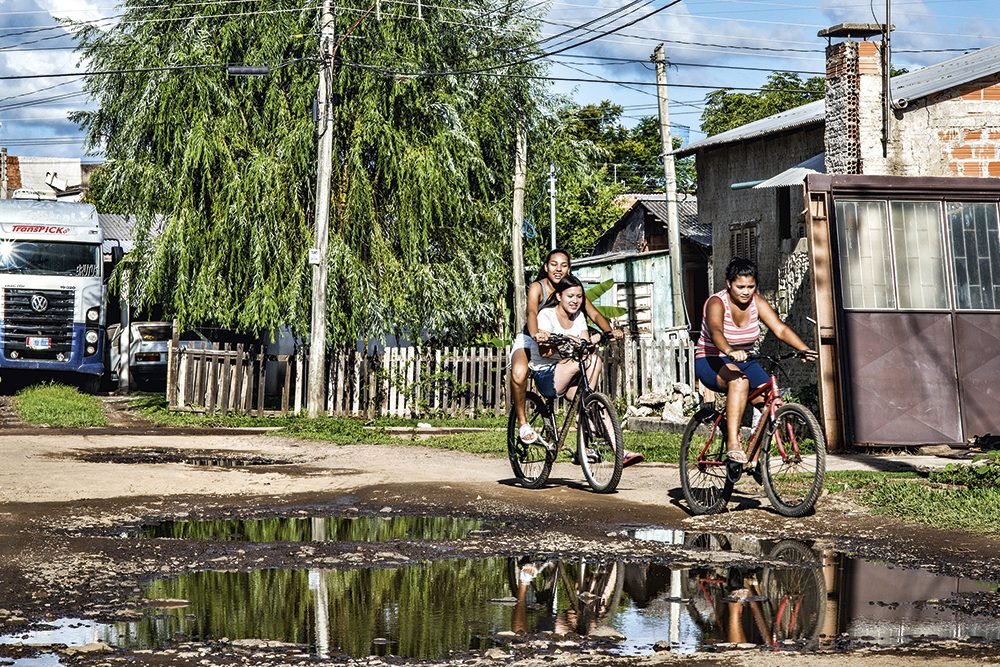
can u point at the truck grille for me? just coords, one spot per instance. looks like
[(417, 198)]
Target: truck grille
[(55, 322)]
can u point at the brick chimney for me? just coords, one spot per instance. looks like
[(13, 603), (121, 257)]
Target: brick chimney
[(853, 134)]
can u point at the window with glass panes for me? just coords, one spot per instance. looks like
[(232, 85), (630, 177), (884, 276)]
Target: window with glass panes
[(919, 255)]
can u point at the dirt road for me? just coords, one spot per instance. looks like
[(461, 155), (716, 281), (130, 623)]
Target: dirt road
[(69, 500)]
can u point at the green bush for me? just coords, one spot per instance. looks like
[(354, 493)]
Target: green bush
[(984, 474)]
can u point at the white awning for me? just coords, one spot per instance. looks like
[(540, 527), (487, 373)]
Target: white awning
[(795, 175)]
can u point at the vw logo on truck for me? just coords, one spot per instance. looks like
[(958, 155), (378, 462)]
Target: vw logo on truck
[(39, 303)]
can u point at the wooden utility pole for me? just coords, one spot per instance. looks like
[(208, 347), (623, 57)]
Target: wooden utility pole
[(318, 254), (552, 204), (670, 190), (517, 224)]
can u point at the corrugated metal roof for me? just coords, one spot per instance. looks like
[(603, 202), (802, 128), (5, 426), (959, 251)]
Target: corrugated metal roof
[(905, 88), (807, 114), (687, 217)]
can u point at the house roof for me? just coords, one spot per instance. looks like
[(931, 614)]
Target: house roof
[(905, 88), (687, 213)]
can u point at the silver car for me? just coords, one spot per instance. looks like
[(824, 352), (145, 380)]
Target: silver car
[(148, 348)]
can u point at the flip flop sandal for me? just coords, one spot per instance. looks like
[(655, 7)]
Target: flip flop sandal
[(736, 456)]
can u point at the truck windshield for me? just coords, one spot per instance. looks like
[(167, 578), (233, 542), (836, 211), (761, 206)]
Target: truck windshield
[(50, 259)]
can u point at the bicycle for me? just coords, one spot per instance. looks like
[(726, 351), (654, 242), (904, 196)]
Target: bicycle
[(600, 447), (786, 453), (786, 601)]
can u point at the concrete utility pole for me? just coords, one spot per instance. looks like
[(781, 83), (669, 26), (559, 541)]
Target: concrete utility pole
[(318, 254), (517, 224), (670, 189), (552, 203)]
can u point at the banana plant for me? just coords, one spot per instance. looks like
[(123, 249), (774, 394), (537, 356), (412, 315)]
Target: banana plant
[(596, 292)]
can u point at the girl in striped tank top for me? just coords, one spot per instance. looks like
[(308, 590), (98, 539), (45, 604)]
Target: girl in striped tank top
[(729, 330)]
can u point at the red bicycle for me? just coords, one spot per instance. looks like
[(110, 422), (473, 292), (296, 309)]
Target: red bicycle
[(786, 453)]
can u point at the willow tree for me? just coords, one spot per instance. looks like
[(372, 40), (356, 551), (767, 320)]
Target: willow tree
[(221, 170)]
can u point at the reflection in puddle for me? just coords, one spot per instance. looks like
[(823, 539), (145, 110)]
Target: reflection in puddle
[(303, 529), (797, 596)]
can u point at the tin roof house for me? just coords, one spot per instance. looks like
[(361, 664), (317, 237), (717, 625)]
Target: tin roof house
[(873, 218)]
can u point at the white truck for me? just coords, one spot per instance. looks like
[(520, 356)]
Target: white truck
[(52, 313)]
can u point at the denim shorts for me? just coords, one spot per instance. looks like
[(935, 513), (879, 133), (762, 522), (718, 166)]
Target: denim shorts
[(545, 381), (707, 369)]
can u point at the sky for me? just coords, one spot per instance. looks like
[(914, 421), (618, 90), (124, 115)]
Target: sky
[(710, 44)]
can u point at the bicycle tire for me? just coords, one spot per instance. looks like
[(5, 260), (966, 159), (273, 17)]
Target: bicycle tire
[(705, 482), (532, 464), (600, 446), (803, 581), (794, 462)]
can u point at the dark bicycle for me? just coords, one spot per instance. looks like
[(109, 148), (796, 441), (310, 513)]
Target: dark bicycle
[(600, 447), (786, 453)]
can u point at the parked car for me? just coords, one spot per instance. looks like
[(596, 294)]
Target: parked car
[(149, 345)]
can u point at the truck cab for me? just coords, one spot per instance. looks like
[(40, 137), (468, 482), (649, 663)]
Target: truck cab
[(52, 314)]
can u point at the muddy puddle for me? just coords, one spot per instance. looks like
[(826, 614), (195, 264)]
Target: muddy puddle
[(319, 529), (789, 595), (156, 455)]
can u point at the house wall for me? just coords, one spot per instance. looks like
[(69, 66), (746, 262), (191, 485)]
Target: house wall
[(953, 133), (653, 272), (782, 256)]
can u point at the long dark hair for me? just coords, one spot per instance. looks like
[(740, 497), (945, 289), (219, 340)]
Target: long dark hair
[(569, 280), (542, 273)]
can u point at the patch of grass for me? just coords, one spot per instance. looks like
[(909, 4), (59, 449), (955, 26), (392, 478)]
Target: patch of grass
[(983, 473), (965, 509), (663, 447), (841, 481), (59, 405), (914, 497)]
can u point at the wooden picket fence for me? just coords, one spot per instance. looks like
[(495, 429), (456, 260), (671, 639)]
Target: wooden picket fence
[(397, 381)]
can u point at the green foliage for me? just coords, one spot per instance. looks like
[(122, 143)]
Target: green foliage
[(726, 109), (221, 171), (595, 293), (984, 474), (59, 405)]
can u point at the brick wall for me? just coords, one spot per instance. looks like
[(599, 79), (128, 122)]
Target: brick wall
[(853, 135)]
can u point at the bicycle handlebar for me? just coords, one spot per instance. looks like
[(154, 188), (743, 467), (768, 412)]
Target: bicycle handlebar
[(573, 347)]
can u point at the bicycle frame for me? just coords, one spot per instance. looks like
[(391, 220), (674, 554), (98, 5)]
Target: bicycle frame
[(772, 401), (575, 405)]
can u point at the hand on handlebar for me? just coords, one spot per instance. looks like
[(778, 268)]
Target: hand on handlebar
[(738, 355), (807, 355)]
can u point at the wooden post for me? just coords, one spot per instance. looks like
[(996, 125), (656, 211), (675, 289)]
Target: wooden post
[(261, 381), (173, 361)]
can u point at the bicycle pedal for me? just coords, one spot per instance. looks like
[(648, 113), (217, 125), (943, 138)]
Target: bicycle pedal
[(734, 470)]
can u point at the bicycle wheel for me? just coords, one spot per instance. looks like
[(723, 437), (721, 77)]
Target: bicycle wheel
[(600, 446), (532, 463), (796, 593), (794, 461), (704, 480)]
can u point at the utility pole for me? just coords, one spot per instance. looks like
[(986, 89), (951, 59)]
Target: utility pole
[(552, 203), (670, 189), (517, 224), (318, 254)]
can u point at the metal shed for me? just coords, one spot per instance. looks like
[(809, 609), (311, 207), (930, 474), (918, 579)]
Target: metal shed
[(906, 273)]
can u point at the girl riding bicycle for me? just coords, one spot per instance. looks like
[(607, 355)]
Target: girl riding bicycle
[(554, 376), (555, 267), (729, 330)]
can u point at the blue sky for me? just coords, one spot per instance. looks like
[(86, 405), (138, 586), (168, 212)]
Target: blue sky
[(706, 40)]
